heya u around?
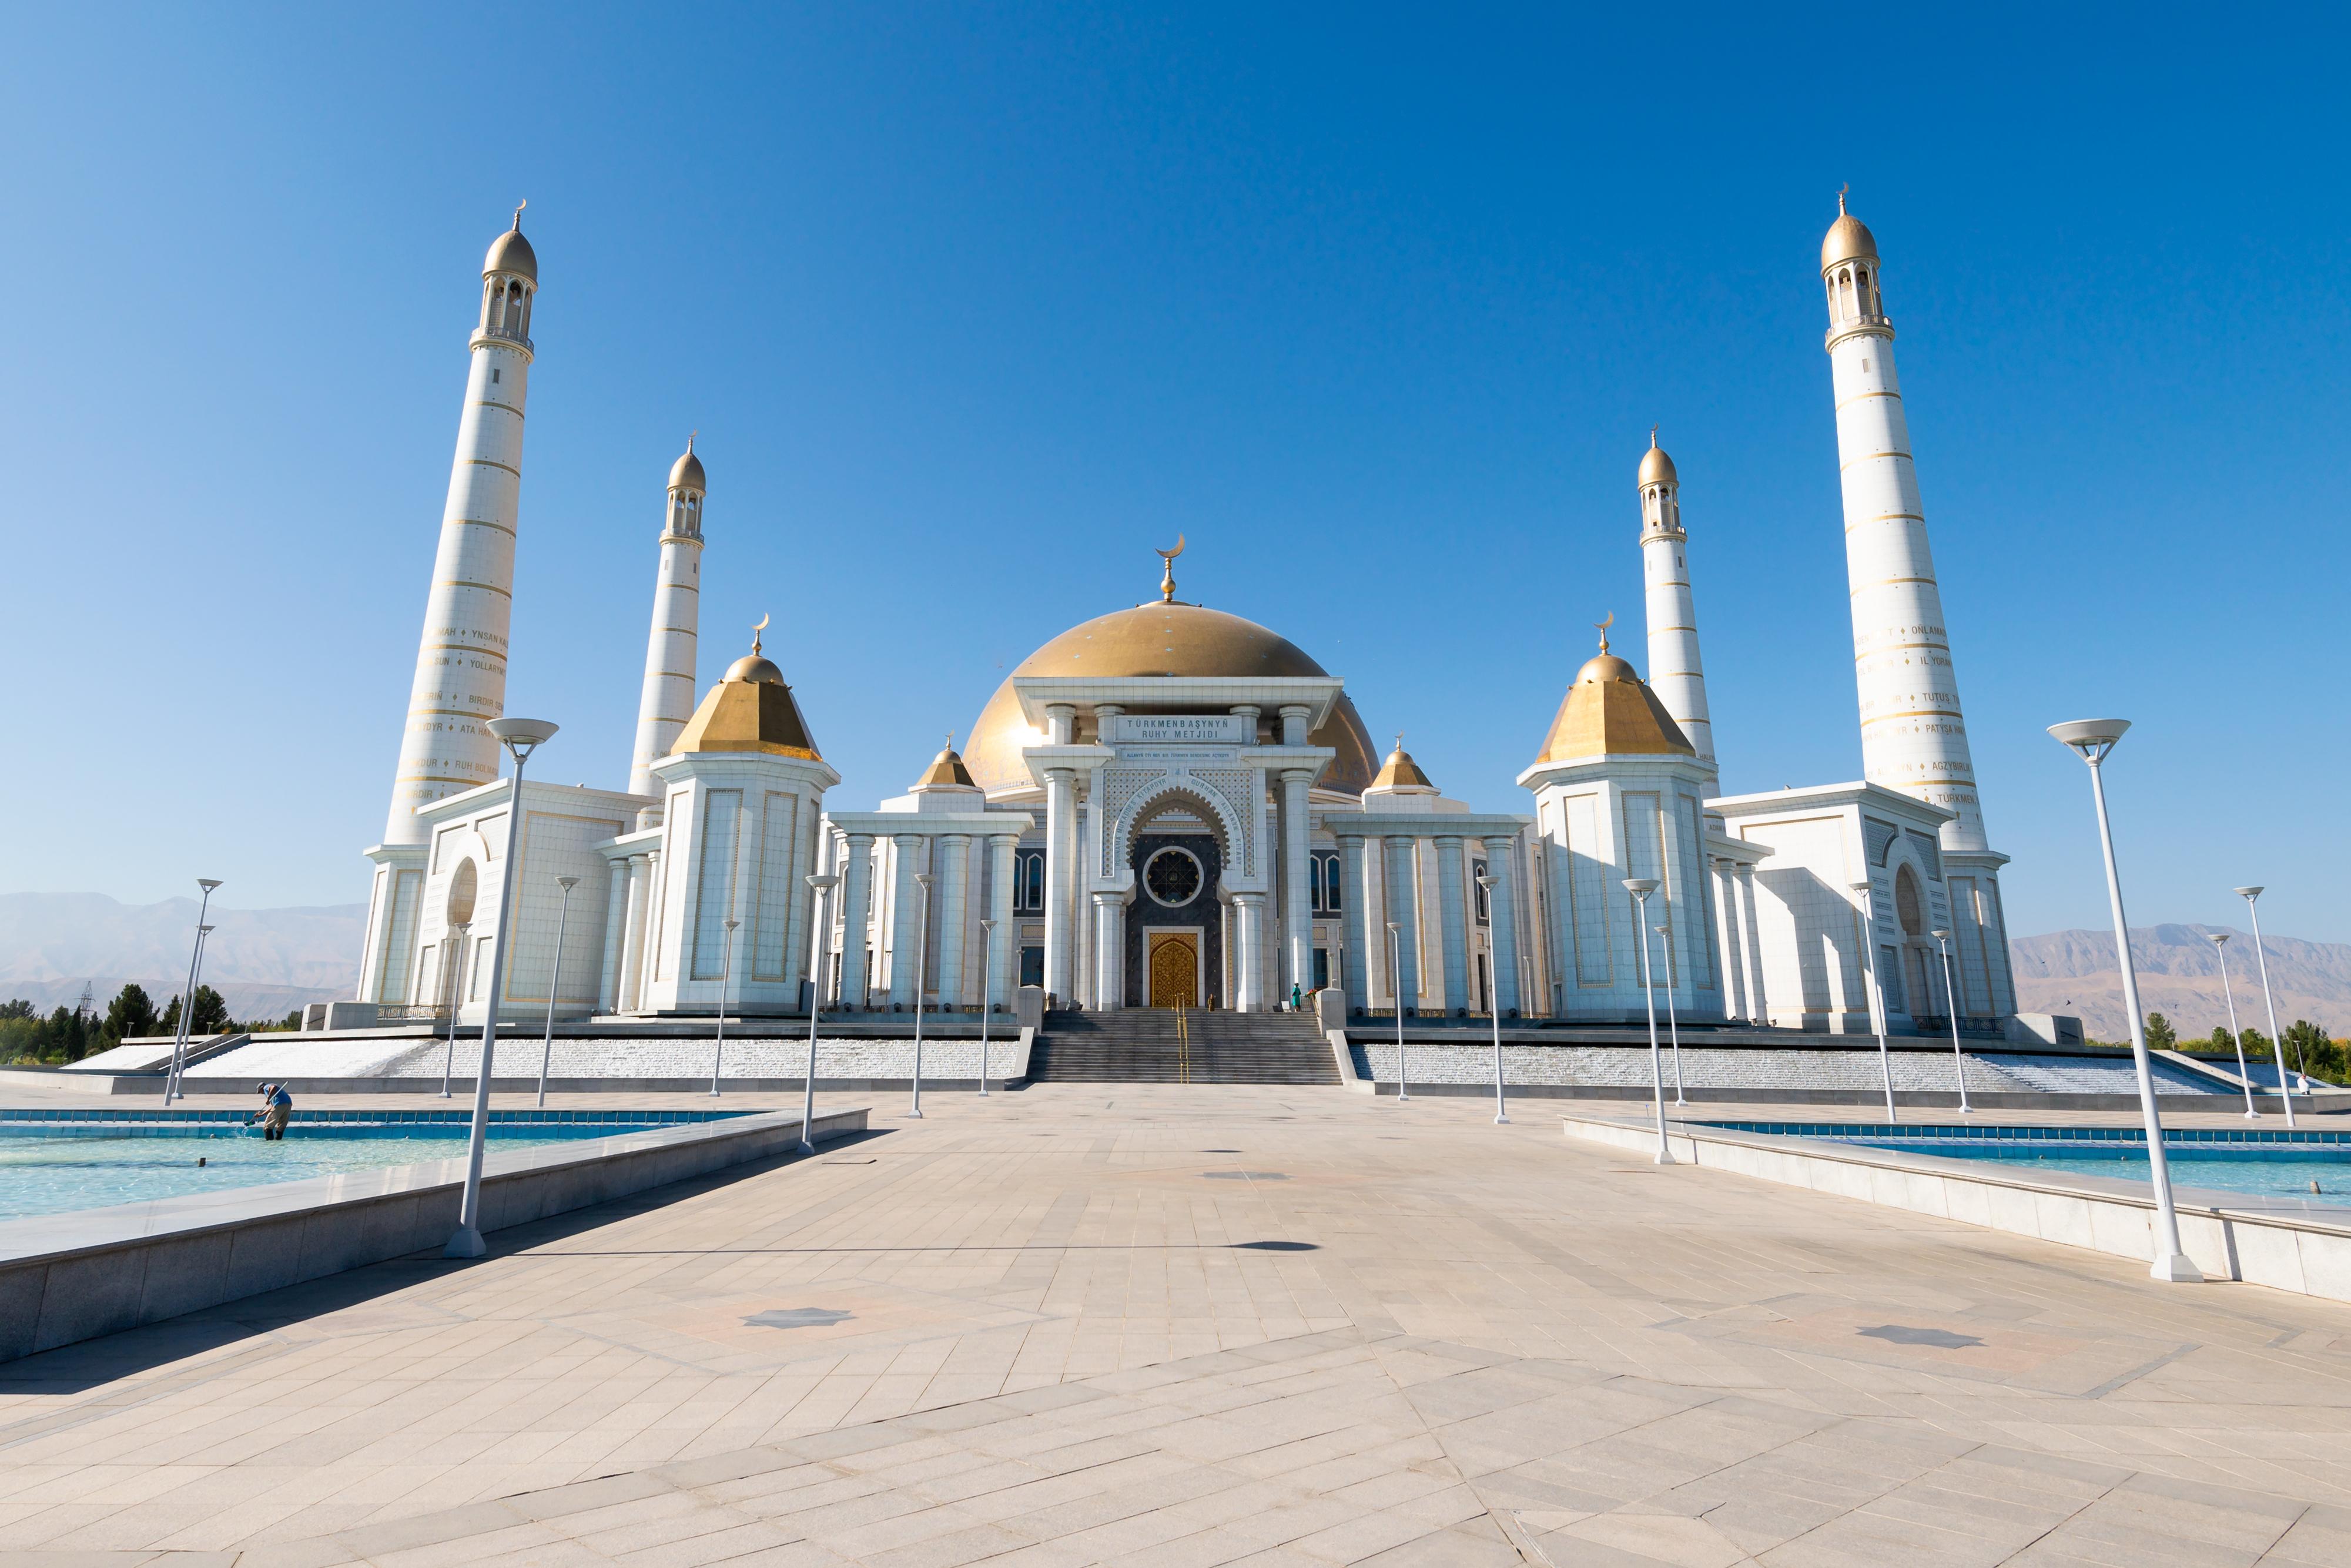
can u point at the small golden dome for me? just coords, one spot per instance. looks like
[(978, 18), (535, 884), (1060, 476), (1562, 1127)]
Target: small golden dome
[(751, 710), (1611, 712), (1657, 468), (947, 771), (512, 252), (1401, 772), (1849, 239), (686, 474), (1162, 639)]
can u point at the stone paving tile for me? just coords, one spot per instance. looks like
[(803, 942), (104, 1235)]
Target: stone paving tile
[(1503, 1347)]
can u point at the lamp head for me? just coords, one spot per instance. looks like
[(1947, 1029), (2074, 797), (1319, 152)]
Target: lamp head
[(922, 879), (824, 880), (1395, 925), (566, 882), (522, 735), (2091, 738), (1640, 886), (2216, 937), (986, 924), (1859, 884), (204, 930), (732, 923), (1940, 936), (2248, 893), (208, 882), (1487, 882), (1663, 930)]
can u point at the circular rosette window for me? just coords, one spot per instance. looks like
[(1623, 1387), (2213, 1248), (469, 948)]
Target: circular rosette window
[(1173, 877)]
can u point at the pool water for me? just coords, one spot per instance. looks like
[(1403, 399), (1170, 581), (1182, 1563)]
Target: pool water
[(2276, 1165), (50, 1164)]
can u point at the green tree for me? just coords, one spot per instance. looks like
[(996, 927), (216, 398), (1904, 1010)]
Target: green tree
[(129, 1014), (2310, 1043), (2222, 1041), (2160, 1035)]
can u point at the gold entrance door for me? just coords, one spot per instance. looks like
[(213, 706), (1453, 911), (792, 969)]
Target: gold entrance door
[(1175, 972)]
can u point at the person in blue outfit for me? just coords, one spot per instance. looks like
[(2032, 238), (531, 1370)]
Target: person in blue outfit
[(277, 1110)]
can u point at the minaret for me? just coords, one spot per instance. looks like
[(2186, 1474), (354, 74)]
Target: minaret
[(1912, 737), (461, 659), (667, 701), (1674, 674)]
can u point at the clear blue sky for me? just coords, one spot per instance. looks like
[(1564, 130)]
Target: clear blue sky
[(974, 306)]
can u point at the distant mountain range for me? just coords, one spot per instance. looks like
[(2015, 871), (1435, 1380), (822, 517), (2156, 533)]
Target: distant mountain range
[(264, 962), (2179, 976)]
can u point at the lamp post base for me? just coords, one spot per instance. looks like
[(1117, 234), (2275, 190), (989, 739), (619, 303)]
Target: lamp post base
[(466, 1243), (2174, 1268), (1666, 1159)]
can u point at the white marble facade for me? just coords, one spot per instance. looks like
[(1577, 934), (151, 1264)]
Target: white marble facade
[(1168, 804)]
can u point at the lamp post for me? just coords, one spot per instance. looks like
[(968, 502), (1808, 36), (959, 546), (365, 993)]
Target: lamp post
[(460, 937), (1877, 997), (726, 974), (1494, 1006), (520, 736), (1396, 984), (823, 882), (1640, 887), (2091, 739), (1673, 1013), (554, 984), (986, 980), (922, 963), (188, 1008), (2219, 940), (2277, 1041), (1951, 1001)]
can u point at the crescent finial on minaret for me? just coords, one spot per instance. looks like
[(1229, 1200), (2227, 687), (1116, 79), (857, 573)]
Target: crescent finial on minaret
[(1167, 576), (518, 220), (1603, 628), (762, 626), (1841, 191)]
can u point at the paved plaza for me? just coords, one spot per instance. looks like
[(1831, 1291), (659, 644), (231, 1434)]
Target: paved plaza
[(1202, 1325)]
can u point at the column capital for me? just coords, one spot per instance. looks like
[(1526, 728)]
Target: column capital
[(1000, 839), (1345, 838), (954, 838), (906, 841), (1108, 710), (1298, 776), (1453, 839), (1296, 710)]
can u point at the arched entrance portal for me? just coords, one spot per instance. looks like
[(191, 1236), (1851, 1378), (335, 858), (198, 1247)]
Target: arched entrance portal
[(1175, 920)]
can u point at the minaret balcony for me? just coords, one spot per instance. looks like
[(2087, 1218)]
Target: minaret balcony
[(494, 335)]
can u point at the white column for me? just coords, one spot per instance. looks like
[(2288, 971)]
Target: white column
[(632, 960), (1452, 925), (1725, 913), (1751, 962), (1060, 886), (1501, 864), (1354, 900), (856, 916), (1912, 736), (616, 928), (1005, 958), (905, 928), (460, 683), (1404, 908), (955, 876), (1249, 963), (1110, 950), (1297, 908)]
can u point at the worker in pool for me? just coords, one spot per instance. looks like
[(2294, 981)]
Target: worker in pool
[(277, 1110)]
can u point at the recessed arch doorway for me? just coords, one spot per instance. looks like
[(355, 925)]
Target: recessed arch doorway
[(1174, 967)]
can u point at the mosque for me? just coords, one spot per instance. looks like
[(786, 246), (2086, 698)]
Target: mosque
[(1171, 806)]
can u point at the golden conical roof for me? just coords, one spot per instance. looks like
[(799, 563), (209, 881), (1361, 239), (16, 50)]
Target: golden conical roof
[(511, 253), (686, 473), (1611, 712), (1401, 772), (947, 771), (751, 710)]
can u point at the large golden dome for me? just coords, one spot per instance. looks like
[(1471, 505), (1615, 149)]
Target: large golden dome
[(1161, 640)]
